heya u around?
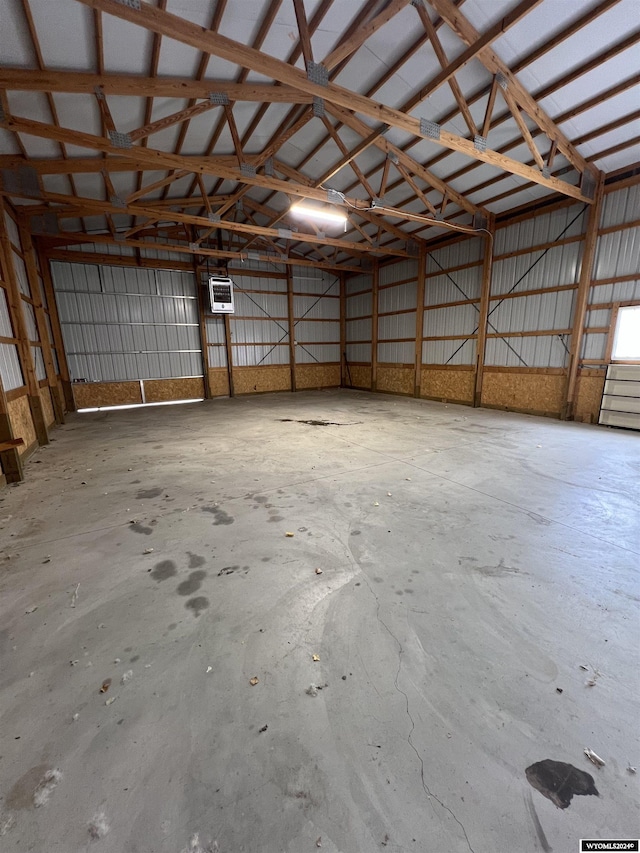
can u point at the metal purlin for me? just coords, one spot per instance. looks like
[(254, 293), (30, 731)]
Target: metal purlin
[(523, 276)]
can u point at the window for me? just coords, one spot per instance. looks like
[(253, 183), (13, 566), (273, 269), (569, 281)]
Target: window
[(626, 342)]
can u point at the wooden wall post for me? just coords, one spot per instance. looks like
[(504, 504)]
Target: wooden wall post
[(483, 314), (47, 282), (582, 298), (9, 458), (422, 263), (292, 323), (41, 323), (343, 327), (375, 283), (229, 348), (202, 322), (24, 347)]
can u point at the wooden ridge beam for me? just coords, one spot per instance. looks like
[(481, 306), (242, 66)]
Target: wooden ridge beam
[(184, 31), (80, 82)]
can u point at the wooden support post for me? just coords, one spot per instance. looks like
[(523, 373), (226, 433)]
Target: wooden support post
[(422, 263), (582, 298), (202, 322), (9, 458), (375, 282), (483, 315), (292, 322), (41, 323), (24, 347), (229, 348), (343, 327), (47, 283)]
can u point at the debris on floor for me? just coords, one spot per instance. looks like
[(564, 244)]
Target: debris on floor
[(319, 842), (75, 718), (209, 669), (593, 758), (111, 701), (194, 846), (31, 610), (558, 689), (315, 657), (106, 684), (98, 827), (263, 729), (128, 675), (74, 597), (631, 769), (148, 551), (376, 503), (46, 787), (253, 681), (585, 668), (289, 534), (318, 571), (311, 690)]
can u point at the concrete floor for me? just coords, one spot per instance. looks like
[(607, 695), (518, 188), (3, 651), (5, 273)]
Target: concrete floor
[(472, 562)]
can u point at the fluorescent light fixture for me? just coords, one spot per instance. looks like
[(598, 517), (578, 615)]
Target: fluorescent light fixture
[(318, 213)]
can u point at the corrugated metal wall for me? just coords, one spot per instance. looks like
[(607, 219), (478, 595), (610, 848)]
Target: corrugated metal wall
[(127, 323), (358, 321), (10, 367), (517, 317), (616, 276), (397, 303), (451, 303), (260, 325), (316, 312)]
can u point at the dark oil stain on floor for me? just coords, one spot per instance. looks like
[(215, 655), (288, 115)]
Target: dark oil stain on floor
[(558, 781), (21, 795), (164, 570), (314, 423), (195, 560), (140, 528), (275, 518), (197, 605), (228, 570), (148, 493), (220, 516), (261, 499), (193, 583), (497, 571)]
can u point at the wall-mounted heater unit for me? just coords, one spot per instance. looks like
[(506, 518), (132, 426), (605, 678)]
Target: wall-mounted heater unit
[(221, 294)]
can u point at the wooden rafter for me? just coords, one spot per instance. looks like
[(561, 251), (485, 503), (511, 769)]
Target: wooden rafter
[(178, 28)]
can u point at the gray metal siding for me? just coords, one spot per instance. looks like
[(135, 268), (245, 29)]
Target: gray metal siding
[(10, 369)]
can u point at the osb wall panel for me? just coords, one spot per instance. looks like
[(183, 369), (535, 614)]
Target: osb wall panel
[(397, 380), (21, 422), (47, 406), (218, 382), (589, 396), (164, 390), (317, 376), (529, 392), (91, 394), (357, 376), (455, 385), (255, 380)]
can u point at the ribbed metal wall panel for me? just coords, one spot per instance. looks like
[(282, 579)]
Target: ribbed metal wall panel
[(215, 329), (117, 325), (397, 298), (455, 320), (396, 326), (217, 356), (534, 351), (533, 313), (556, 266), (358, 283), (598, 319), (313, 308), (449, 352), (6, 330), (259, 331), (618, 253), (38, 361), (594, 346), (621, 206), (460, 284), (358, 330), (358, 353), (30, 321), (619, 291), (313, 330), (318, 354), (359, 306), (21, 274), (252, 356), (545, 228), (254, 282), (396, 352), (10, 369), (306, 282), (399, 271), (454, 255), (12, 230), (262, 305)]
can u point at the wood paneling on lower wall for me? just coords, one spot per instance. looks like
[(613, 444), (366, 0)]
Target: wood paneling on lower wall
[(21, 423), (317, 376), (455, 386), (256, 380), (533, 392), (358, 376), (218, 382), (165, 390), (91, 394), (396, 379), (47, 406), (589, 396)]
